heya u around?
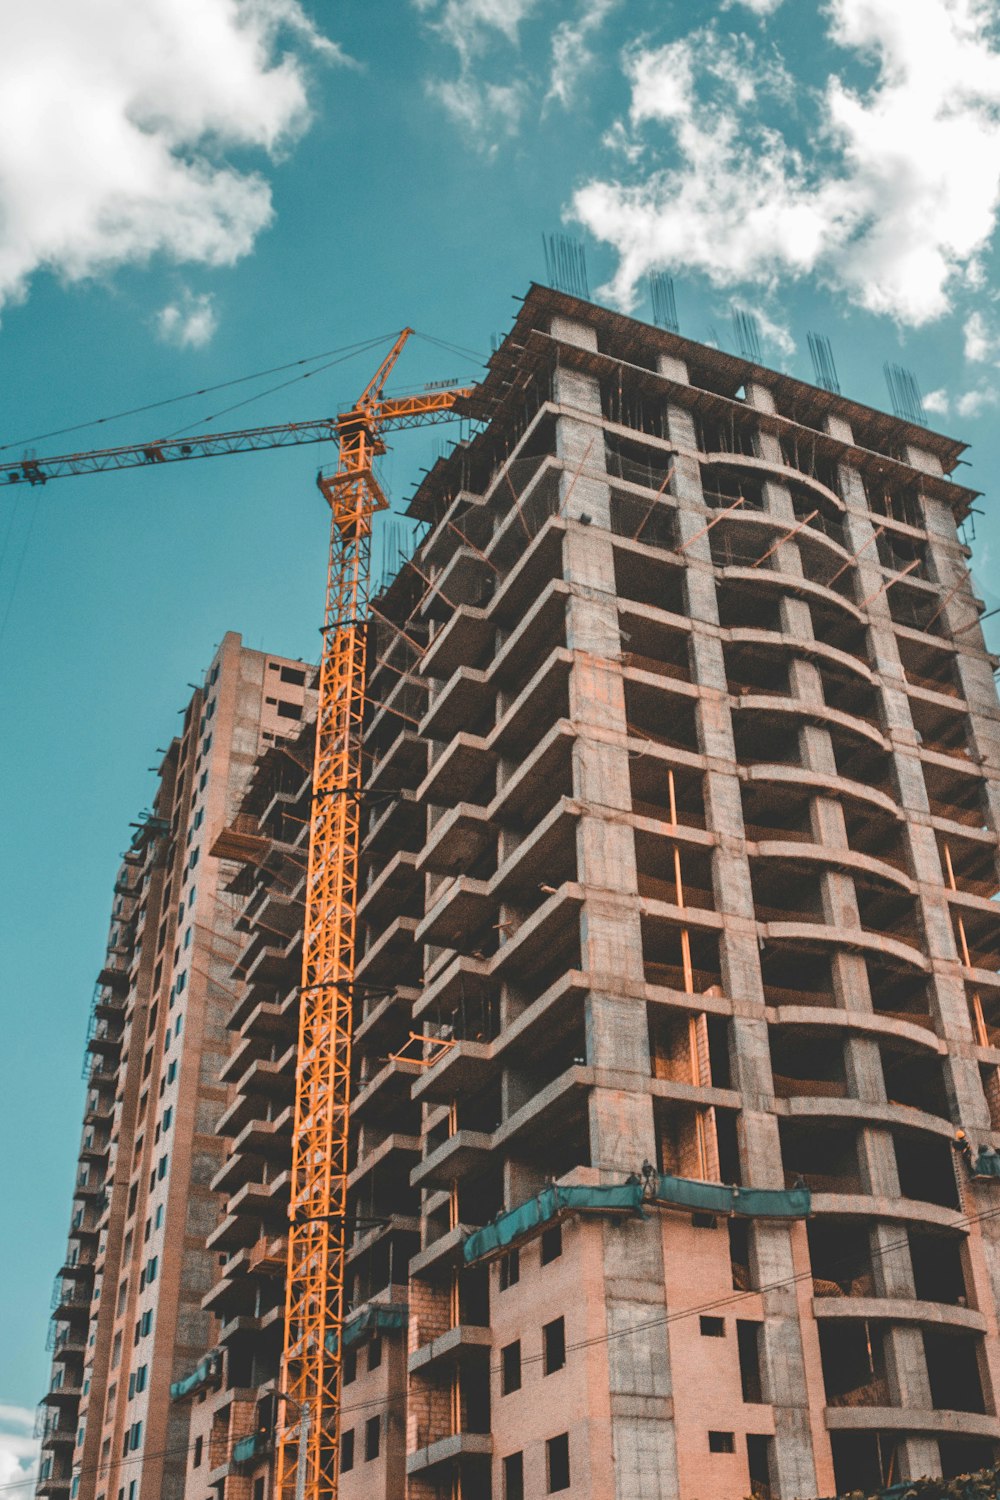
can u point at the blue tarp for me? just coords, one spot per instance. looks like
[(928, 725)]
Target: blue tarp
[(716, 1198), (201, 1375), (248, 1448), (375, 1318), (551, 1201)]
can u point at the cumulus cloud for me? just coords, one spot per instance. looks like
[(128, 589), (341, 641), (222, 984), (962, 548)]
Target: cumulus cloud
[(981, 343), (894, 200), (117, 118), (189, 322), (776, 334), (974, 403), (936, 403), (484, 109), (571, 54), (18, 1451)]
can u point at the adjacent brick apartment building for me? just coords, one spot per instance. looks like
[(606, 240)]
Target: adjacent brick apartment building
[(127, 1313), (682, 810)]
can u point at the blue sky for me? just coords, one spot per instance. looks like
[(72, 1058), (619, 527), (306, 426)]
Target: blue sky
[(185, 201)]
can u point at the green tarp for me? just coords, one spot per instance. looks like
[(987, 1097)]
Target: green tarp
[(681, 1192), (375, 1318), (715, 1198), (198, 1377), (537, 1211), (248, 1447)]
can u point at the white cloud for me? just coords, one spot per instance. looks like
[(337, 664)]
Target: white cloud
[(893, 202), (18, 1451), (483, 109), (759, 7), (981, 342), (974, 403), (773, 333), (571, 54), (936, 403), (116, 117), (189, 322), (467, 24)]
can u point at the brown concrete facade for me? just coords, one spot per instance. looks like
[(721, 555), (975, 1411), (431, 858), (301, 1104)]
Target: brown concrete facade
[(690, 761), (128, 1319)]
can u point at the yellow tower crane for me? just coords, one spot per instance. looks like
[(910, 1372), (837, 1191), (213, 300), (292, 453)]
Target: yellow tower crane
[(308, 1420)]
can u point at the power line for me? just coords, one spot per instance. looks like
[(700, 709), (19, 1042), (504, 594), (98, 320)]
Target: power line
[(189, 395)]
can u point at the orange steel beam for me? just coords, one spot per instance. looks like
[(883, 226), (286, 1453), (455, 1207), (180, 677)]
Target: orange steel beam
[(314, 1305)]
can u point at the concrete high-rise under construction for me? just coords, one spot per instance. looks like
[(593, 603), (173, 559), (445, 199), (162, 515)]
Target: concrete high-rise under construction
[(678, 973)]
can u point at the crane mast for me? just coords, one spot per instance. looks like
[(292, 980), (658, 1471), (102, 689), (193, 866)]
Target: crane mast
[(317, 1242)]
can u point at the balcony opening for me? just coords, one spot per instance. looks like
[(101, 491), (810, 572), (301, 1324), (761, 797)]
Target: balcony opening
[(774, 812), (801, 453), (759, 1463), (745, 606), (689, 1048), (480, 1111), (833, 627), (748, 1338), (649, 646), (645, 579), (989, 1076), (734, 544), (889, 912), (669, 793), (678, 874), (653, 522), (474, 1296), (876, 833), (668, 961), (915, 608), (938, 1272), (898, 994), (968, 866), (914, 1078), (926, 1168), (696, 1142), (758, 740), (793, 975), (755, 670), (977, 935), (954, 794), (858, 760), (785, 894), (739, 1255), (927, 665), (656, 716), (480, 1199), (845, 692), (823, 1154), (474, 1389), (965, 1455), (735, 432), (953, 1370), (840, 1254), (807, 1062), (853, 1363), (864, 1461)]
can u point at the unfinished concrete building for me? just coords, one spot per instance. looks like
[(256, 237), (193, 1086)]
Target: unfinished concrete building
[(127, 1313), (681, 849), (678, 971)]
